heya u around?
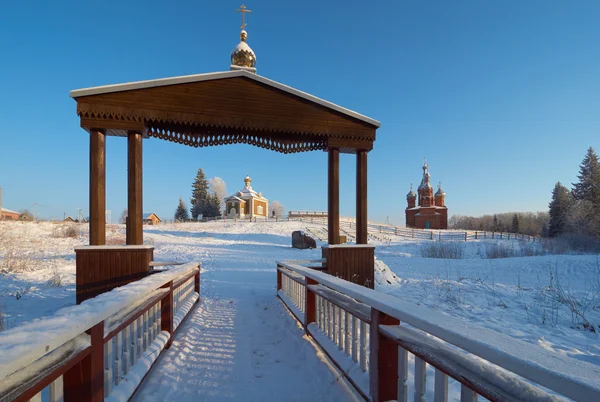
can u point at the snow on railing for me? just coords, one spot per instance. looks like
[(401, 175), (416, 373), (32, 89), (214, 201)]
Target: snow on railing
[(102, 348), (370, 335)]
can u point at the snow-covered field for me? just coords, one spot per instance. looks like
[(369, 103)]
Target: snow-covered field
[(543, 300)]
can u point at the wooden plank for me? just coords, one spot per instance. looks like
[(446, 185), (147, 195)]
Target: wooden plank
[(134, 189), (85, 381), (357, 309), (97, 188), (458, 365), (361, 197), (292, 275), (333, 196), (26, 390), (166, 317), (220, 102)]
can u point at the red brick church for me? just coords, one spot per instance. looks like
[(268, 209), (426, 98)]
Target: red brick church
[(431, 213)]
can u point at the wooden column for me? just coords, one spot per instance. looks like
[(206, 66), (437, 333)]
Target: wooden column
[(333, 196), (134, 189), (97, 188), (361, 197)]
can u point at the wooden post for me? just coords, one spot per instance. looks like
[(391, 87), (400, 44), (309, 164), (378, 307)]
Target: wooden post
[(85, 380), (166, 313), (197, 283), (333, 196), (383, 360), (134, 189), (278, 279), (311, 305), (97, 188), (361, 197)]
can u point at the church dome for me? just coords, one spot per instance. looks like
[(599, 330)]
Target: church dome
[(411, 193), (440, 193), (242, 55)]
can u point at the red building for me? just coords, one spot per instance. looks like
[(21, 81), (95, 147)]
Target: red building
[(431, 213)]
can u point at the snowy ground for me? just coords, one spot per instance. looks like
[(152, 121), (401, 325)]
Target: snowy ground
[(528, 298)]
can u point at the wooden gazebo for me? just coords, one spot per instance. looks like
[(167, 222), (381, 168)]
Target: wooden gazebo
[(207, 110)]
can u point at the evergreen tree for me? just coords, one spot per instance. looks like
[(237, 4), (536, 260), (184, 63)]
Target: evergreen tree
[(199, 194), (496, 224), (216, 204), (199, 209), (181, 213), (588, 187), (545, 230), (515, 224), (559, 210)]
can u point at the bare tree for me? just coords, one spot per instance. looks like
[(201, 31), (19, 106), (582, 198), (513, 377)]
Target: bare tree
[(123, 218), (276, 207), (218, 187)]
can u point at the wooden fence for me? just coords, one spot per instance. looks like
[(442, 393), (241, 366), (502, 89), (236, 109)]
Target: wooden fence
[(378, 231), (101, 349), (369, 335)]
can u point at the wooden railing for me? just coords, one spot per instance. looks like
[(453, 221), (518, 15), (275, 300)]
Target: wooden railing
[(369, 336), (101, 349), (348, 227)]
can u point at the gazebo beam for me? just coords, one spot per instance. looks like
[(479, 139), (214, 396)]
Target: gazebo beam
[(97, 188), (361, 197), (134, 189), (333, 196)]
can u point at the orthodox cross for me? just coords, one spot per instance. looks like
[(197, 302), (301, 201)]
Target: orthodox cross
[(243, 10)]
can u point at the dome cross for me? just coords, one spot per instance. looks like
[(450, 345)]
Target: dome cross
[(243, 10)]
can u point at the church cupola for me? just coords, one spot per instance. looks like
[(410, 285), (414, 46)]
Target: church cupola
[(247, 181), (440, 196), (425, 189), (242, 56), (411, 197)]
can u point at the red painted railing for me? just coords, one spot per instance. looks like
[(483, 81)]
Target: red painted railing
[(101, 349)]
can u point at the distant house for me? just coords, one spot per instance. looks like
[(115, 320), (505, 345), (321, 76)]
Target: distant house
[(7, 213), (151, 219), (69, 219)]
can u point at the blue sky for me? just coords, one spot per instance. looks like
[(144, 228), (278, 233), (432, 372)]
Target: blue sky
[(502, 97)]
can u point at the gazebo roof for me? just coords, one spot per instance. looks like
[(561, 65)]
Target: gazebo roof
[(224, 107)]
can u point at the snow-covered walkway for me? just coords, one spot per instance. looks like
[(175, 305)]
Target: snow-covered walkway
[(240, 343)]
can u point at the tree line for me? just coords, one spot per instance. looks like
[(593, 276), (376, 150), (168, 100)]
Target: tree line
[(206, 201), (571, 212), (529, 223), (577, 211)]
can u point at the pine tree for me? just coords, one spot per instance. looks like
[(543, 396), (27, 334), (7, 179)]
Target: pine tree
[(496, 224), (199, 194), (559, 210), (181, 213), (515, 224), (216, 204), (588, 187)]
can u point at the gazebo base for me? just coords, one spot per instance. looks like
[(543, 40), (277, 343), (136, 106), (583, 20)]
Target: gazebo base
[(352, 262), (100, 269)]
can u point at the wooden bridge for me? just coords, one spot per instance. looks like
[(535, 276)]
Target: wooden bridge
[(136, 342)]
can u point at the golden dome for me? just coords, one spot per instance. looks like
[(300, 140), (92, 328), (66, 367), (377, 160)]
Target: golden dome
[(242, 55)]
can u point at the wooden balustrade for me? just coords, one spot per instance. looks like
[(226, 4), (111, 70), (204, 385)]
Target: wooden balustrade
[(370, 336), (109, 360)]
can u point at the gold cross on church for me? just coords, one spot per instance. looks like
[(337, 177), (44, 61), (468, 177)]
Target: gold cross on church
[(243, 10)]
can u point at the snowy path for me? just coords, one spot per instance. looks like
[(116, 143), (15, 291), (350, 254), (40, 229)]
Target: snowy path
[(240, 343)]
